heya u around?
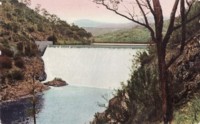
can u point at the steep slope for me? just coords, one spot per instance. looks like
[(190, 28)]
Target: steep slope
[(20, 23)]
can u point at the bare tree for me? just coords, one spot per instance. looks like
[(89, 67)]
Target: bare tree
[(141, 12), (33, 97)]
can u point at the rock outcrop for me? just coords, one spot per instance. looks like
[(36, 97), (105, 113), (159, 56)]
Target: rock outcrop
[(57, 82), (32, 73), (186, 78)]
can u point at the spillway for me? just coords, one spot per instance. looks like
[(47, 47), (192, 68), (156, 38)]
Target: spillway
[(101, 67)]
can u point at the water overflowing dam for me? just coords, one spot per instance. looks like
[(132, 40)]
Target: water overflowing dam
[(96, 66)]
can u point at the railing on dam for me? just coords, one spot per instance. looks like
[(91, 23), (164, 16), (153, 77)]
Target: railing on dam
[(133, 46)]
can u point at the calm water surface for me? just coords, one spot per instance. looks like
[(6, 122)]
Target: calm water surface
[(65, 105)]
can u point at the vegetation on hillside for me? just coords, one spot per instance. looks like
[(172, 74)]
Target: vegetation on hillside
[(136, 34), (20, 23)]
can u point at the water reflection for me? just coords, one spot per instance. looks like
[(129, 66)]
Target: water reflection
[(19, 112)]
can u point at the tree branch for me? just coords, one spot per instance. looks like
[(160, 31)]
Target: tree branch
[(150, 7), (131, 18), (171, 24), (146, 21), (143, 13), (118, 13), (189, 7), (189, 20)]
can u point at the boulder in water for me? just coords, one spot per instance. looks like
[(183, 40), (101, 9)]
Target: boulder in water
[(56, 82)]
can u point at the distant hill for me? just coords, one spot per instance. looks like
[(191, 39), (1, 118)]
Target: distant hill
[(95, 24), (99, 28), (136, 34), (100, 31)]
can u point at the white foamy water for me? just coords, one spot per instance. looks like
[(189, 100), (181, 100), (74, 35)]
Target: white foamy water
[(91, 67)]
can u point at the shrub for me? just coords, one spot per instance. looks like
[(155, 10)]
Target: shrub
[(31, 49), (19, 62), (7, 26), (5, 62), (15, 27), (9, 16), (31, 29), (4, 33), (40, 28), (7, 52), (20, 46), (5, 43), (16, 75)]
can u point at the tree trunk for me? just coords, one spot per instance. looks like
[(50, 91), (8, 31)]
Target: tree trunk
[(34, 98), (166, 85), (34, 110)]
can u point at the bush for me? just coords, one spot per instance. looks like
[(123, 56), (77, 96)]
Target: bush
[(16, 75), (20, 46), (7, 52), (19, 62), (40, 28), (9, 16), (15, 27), (7, 26), (5, 43), (31, 49), (5, 62), (31, 29), (4, 33)]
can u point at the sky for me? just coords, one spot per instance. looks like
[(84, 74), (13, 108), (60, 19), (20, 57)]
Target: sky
[(72, 10)]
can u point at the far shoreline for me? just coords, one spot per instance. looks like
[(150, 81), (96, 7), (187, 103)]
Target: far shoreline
[(13, 101), (119, 43)]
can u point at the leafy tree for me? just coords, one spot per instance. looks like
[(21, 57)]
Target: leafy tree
[(45, 13), (145, 9)]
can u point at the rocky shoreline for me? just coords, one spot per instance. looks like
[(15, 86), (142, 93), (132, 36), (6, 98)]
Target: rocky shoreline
[(32, 82), (33, 73)]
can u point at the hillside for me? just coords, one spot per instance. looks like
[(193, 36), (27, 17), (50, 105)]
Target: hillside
[(135, 34), (96, 31), (20, 23)]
